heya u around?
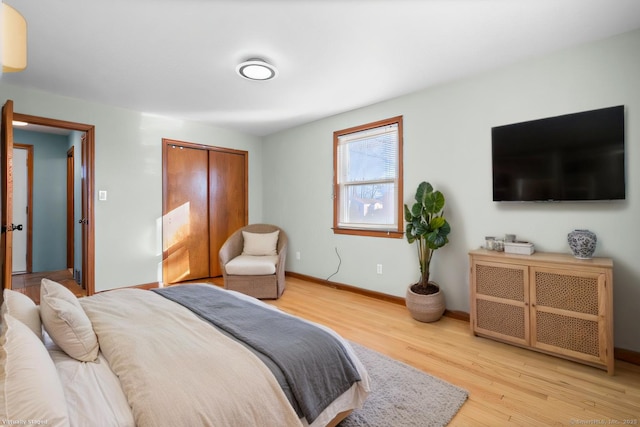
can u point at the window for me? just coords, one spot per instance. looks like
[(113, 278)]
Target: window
[(367, 170)]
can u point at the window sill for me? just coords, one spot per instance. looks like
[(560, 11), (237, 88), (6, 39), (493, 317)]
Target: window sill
[(370, 233)]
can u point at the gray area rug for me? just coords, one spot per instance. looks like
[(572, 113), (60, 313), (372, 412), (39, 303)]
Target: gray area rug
[(402, 395)]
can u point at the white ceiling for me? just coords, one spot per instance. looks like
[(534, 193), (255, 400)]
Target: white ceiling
[(177, 58)]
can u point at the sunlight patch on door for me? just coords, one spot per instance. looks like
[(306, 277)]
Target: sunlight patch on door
[(176, 231)]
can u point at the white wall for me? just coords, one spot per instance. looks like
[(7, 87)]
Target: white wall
[(447, 141), (128, 164)]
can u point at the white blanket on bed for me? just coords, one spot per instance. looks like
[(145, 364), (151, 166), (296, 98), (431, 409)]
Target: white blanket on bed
[(176, 369)]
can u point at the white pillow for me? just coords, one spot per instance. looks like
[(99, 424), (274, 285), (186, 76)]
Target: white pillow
[(30, 388), (66, 322), (22, 308), (260, 244)]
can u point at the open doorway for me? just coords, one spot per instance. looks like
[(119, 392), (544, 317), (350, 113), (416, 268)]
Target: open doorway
[(46, 203), (79, 263)]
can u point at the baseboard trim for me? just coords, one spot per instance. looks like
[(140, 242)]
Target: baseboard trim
[(618, 353), (343, 287), (460, 315), (627, 355), (147, 286)]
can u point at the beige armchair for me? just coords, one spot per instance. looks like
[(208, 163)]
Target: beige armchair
[(255, 265)]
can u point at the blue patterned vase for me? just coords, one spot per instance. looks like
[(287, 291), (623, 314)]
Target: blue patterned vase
[(582, 243)]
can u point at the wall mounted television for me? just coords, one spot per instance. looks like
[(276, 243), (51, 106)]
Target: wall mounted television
[(574, 157)]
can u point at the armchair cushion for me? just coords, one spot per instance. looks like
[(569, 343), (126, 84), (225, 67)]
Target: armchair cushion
[(260, 244), (249, 265)]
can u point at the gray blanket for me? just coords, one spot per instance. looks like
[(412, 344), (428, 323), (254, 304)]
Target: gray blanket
[(314, 363)]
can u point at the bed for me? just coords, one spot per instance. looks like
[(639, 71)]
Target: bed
[(183, 355)]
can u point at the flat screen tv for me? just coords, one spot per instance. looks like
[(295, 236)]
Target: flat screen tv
[(575, 157)]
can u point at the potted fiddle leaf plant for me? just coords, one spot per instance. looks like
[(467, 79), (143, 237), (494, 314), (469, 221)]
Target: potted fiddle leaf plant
[(427, 227)]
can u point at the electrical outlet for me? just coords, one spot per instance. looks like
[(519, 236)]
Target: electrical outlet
[(297, 255), (379, 268)]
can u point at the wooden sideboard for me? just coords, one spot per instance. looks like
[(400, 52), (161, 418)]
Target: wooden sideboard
[(548, 302)]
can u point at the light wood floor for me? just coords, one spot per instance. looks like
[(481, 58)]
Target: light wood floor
[(29, 284), (507, 385)]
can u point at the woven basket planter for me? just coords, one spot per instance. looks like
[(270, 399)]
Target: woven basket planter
[(425, 308)]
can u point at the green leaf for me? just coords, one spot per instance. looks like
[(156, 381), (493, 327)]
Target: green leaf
[(437, 222), (434, 202), (435, 240), (409, 233), (423, 189), (438, 238), (407, 214), (420, 229), (445, 229), (416, 210)]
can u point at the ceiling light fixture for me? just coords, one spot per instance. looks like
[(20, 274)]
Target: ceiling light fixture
[(257, 69), (13, 48)]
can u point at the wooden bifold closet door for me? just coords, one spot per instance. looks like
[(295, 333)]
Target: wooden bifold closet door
[(204, 200)]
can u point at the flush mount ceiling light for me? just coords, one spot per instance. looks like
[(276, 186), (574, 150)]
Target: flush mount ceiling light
[(257, 69), (13, 40)]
